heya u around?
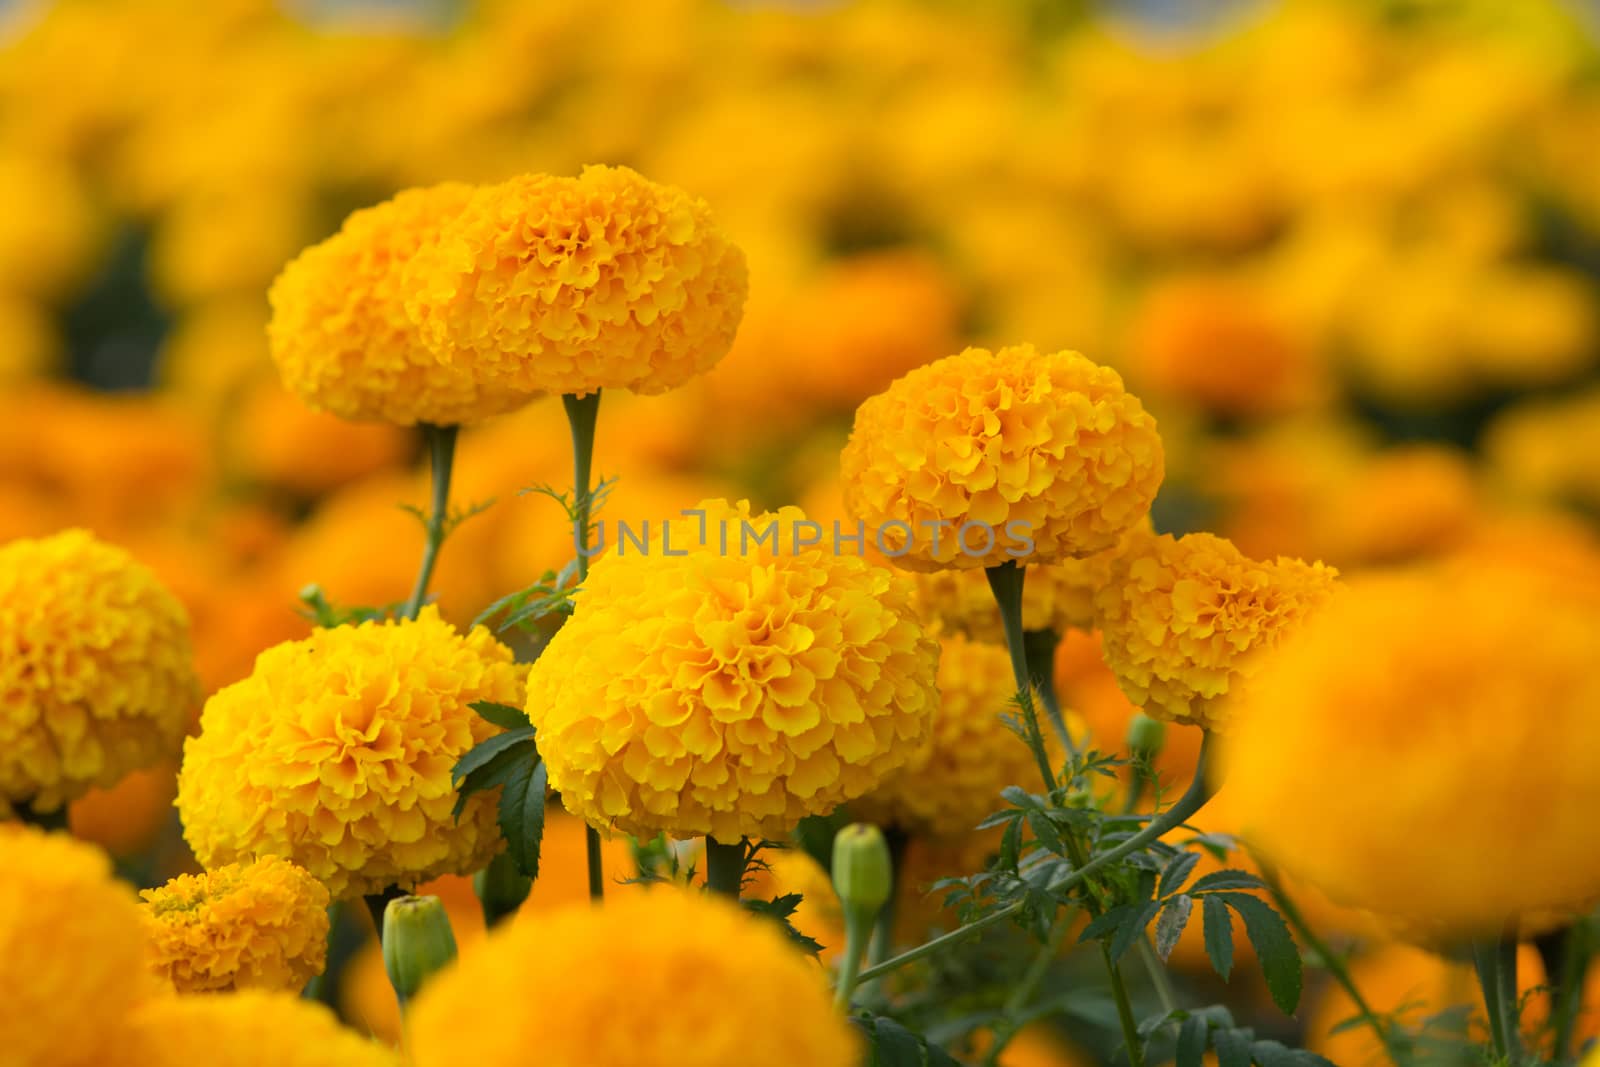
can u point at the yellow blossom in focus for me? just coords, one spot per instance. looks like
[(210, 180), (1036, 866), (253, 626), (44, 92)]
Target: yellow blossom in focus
[(97, 672), (730, 687), (1183, 620), (72, 949), (984, 458), (251, 1028), (704, 980), (262, 925), (336, 753), (571, 285)]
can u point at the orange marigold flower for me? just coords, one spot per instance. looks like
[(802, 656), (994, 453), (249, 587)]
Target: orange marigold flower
[(250, 1028), (986, 457)]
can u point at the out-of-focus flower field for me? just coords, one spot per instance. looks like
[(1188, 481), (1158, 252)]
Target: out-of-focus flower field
[(1347, 254)]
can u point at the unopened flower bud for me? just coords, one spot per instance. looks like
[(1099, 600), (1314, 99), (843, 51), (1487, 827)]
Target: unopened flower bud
[(1146, 736), (863, 874), (501, 889), (417, 943)]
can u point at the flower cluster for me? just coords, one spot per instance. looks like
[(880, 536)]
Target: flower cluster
[(337, 752), (986, 457), (96, 670), (242, 926), (730, 692), (1184, 619)]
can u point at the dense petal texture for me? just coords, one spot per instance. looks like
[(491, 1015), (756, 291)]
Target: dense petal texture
[(1425, 746), (1185, 619), (97, 674), (987, 457), (339, 331), (707, 985), (731, 692), (251, 1028), (336, 753), (262, 925), (569, 285)]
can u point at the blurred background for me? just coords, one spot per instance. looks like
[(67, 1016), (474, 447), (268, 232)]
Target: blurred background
[(1348, 252)]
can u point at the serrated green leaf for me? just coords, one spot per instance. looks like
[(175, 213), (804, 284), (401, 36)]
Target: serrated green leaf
[(1219, 936), (1177, 872), (1011, 845), (1021, 798), (1217, 881), (780, 910), (496, 772), (502, 715), (1109, 922), (1174, 917), (1193, 1036), (1156, 1022), (1046, 832), (1275, 948), (1233, 1047), (522, 804), (1133, 929), (895, 1046), (484, 751)]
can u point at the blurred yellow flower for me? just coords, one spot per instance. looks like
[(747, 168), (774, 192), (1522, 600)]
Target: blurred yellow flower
[(251, 1028), (97, 674), (704, 978), (1544, 449), (126, 818), (336, 753), (262, 925), (275, 439)]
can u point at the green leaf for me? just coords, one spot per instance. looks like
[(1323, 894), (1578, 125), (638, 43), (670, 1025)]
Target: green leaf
[(1192, 1040), (1275, 947), (1174, 917), (891, 1045), (1177, 872), (1219, 936), (781, 911), (484, 751), (1228, 879), (1132, 930), (1011, 845), (1273, 1054), (522, 805), (1046, 832), (1021, 798), (502, 715), (497, 771), (1233, 1047), (1109, 922)]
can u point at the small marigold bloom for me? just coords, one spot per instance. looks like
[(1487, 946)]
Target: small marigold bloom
[(708, 985), (339, 331), (71, 948), (262, 925), (731, 692), (336, 753), (1425, 734), (251, 1028), (570, 285), (986, 457), (1184, 619), (954, 780), (97, 673)]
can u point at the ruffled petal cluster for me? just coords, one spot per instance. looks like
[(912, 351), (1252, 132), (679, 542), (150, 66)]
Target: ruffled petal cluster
[(339, 331), (570, 285), (336, 753), (985, 457), (1184, 619), (726, 686), (1424, 748), (706, 983), (262, 925), (250, 1028), (97, 673)]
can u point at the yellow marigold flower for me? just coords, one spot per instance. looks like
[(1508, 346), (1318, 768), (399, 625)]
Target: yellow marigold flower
[(701, 975), (96, 670), (569, 285), (954, 781), (72, 951), (986, 457), (1184, 619), (1424, 747), (336, 753), (733, 686), (339, 331), (242, 926), (251, 1028)]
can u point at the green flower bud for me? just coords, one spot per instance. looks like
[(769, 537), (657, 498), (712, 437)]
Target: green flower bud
[(1146, 735), (501, 889), (417, 943), (863, 874)]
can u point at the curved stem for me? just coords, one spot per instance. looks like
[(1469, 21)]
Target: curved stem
[(1193, 799), (725, 867), (583, 412), (856, 936), (1130, 1026), (939, 944), (1496, 964), (1005, 582), (441, 456)]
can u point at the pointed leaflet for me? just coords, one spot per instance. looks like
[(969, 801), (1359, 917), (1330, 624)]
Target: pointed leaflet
[(1219, 936), (1192, 1039), (502, 715), (522, 815), (481, 754), (1275, 948)]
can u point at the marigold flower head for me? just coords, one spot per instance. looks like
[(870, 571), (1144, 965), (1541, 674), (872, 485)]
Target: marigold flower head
[(250, 1028), (73, 952), (339, 331), (336, 753), (986, 457), (262, 925), (1425, 734), (97, 673), (570, 285), (731, 692), (1184, 619), (705, 980)]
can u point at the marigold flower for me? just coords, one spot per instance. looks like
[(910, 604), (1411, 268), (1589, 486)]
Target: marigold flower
[(70, 939), (96, 670), (336, 753), (242, 926), (1184, 619), (702, 976), (570, 285), (986, 457), (339, 331), (251, 1028), (730, 687), (1425, 734)]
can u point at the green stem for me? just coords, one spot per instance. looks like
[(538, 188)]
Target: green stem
[(1040, 646), (1496, 964), (855, 949), (583, 412), (47, 821), (1567, 956), (441, 442), (725, 867), (1159, 978), (1005, 582), (378, 903), (1130, 1027), (939, 944)]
